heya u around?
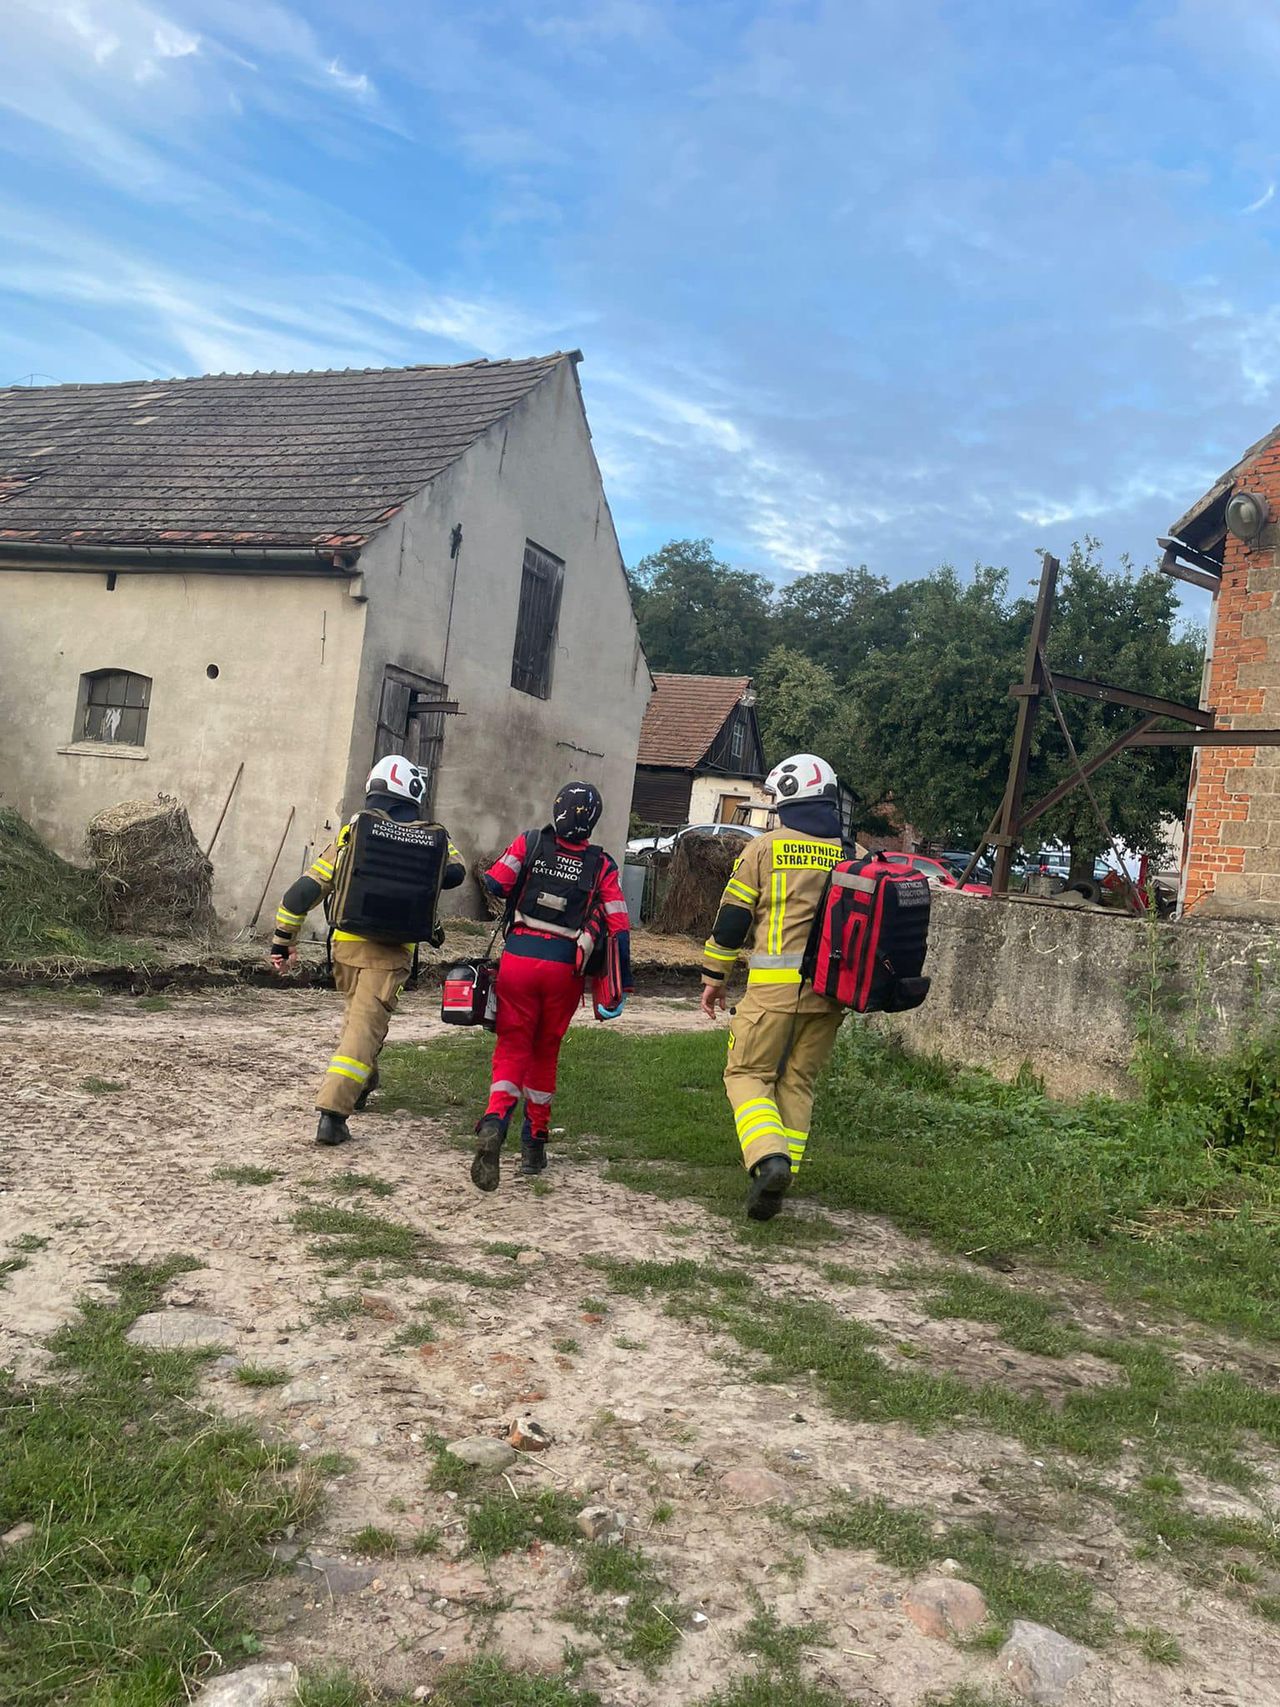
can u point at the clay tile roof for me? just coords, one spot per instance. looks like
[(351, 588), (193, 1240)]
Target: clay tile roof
[(261, 459), (684, 716)]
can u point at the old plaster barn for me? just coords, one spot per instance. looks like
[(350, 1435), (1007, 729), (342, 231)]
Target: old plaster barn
[(1231, 545), (297, 573)]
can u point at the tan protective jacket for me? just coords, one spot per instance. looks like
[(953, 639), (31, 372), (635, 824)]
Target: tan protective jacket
[(779, 881)]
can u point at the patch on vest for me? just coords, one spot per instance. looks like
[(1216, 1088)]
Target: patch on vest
[(806, 856)]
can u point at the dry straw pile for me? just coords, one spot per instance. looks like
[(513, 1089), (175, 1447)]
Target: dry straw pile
[(159, 882), (700, 868)]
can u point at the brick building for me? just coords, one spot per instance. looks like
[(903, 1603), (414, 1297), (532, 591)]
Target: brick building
[(1231, 853)]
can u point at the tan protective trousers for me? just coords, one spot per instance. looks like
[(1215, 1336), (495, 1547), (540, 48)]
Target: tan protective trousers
[(371, 976), (775, 1056)]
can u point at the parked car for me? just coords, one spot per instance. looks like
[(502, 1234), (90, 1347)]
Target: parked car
[(664, 844), (957, 860), (939, 874)]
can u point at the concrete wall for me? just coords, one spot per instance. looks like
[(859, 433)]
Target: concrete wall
[(1056, 987), (708, 791), (1232, 852), (532, 476), (287, 652)]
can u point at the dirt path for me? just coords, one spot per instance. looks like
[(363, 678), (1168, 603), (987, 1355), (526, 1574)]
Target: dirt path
[(632, 1397)]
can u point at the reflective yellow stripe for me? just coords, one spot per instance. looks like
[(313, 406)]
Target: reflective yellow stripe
[(287, 919), (783, 977), (340, 1063), (762, 1129), (322, 868), (346, 1073), (719, 953), (756, 1101), (453, 852), (777, 911), (351, 936), (740, 892)]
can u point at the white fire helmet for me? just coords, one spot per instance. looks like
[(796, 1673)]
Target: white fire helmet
[(804, 776), (397, 775)]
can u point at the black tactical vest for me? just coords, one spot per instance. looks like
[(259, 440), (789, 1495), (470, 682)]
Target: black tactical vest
[(557, 885), (389, 879)]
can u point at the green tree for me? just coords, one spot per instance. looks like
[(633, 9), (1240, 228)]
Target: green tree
[(930, 705), (839, 619), (801, 709), (698, 616)]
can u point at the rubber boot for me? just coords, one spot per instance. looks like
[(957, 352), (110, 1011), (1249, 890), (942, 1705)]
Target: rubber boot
[(333, 1128), (491, 1135), (770, 1181), (533, 1151), (370, 1086)]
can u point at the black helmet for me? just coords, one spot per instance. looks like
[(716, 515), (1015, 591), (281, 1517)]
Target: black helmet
[(577, 811)]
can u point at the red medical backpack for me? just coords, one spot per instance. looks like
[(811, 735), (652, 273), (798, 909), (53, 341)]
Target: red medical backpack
[(869, 938)]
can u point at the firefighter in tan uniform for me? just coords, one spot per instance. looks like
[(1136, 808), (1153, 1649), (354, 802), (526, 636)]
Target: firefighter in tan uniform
[(782, 1031), (384, 873)]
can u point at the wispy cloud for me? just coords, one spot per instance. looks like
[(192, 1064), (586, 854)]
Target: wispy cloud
[(1268, 195)]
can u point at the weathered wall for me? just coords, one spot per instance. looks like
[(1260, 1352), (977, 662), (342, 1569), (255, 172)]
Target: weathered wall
[(1057, 987), (287, 652), (1232, 850), (532, 476), (704, 800)]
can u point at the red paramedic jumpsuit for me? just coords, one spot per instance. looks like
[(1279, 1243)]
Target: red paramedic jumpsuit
[(539, 986)]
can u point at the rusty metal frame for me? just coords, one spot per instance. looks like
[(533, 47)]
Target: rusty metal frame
[(1013, 818)]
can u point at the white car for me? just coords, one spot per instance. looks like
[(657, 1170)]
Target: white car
[(665, 844)]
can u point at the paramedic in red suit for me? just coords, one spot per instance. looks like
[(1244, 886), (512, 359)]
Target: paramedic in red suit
[(561, 891)]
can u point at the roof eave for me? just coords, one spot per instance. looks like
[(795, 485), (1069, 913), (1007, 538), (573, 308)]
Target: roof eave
[(328, 559)]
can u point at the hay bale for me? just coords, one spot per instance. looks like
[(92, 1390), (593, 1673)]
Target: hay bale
[(700, 868), (158, 879)]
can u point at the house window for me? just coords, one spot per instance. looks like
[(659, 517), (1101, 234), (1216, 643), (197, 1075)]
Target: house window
[(738, 739), (536, 624), (113, 707)]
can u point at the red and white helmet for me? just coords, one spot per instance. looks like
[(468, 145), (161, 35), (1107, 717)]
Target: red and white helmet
[(397, 775), (804, 776)]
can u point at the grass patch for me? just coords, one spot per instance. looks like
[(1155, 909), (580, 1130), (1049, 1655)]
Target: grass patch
[(348, 1184), (374, 1543), (1204, 1421), (782, 1645), (48, 908), (485, 1681), (100, 1087), (500, 1523), (260, 1375), (29, 1243), (449, 1475), (646, 1629), (428, 1541), (244, 1173), (502, 1248), (1046, 1594), (332, 1464), (351, 1237), (1023, 1320), (415, 1333), (569, 1347), (11, 1265), (1156, 1645), (153, 1004), (150, 1515), (1126, 1193)]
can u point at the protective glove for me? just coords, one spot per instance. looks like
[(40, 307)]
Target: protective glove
[(613, 1013)]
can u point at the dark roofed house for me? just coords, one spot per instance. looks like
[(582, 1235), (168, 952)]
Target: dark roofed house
[(700, 758), (296, 573)]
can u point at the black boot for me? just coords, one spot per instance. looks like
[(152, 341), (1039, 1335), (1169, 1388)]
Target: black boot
[(533, 1151), (770, 1181), (370, 1086), (333, 1128), (491, 1135)]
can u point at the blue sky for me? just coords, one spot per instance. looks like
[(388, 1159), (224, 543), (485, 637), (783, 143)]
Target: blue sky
[(885, 281)]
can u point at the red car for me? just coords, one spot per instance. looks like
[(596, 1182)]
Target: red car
[(935, 871)]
